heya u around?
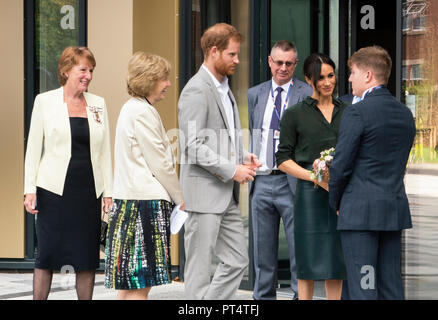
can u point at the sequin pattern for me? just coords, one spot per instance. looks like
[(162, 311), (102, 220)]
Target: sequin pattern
[(137, 252)]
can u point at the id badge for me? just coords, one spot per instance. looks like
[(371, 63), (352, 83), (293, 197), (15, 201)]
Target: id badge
[(276, 134)]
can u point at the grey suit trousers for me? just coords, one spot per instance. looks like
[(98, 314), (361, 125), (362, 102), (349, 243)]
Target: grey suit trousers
[(208, 234), (272, 200)]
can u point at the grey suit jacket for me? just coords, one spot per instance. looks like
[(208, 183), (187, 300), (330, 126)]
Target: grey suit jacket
[(257, 100), (208, 156)]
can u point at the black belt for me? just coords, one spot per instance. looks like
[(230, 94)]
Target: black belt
[(276, 172)]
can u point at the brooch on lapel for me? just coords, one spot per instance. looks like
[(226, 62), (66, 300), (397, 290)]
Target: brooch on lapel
[(97, 112)]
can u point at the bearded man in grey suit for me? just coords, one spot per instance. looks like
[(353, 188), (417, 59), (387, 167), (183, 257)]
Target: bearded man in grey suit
[(213, 164), (272, 193)]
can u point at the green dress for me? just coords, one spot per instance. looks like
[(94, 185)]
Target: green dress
[(304, 133)]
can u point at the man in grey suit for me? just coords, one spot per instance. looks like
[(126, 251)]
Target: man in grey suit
[(212, 168), (272, 193)]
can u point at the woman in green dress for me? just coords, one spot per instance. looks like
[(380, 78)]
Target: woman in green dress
[(306, 129)]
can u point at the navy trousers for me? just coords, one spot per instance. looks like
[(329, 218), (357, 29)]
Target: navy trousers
[(373, 261)]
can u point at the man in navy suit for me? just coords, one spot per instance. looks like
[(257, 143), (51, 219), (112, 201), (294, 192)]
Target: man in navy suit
[(272, 192), (366, 179)]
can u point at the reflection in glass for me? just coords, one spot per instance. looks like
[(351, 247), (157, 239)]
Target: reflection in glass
[(56, 27), (239, 87), (420, 80), (236, 13)]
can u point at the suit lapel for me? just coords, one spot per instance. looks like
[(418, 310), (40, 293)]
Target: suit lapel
[(206, 77), (294, 94), (236, 123), (95, 120), (260, 108), (64, 118)]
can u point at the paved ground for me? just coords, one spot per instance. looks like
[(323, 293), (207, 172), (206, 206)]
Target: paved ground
[(16, 285)]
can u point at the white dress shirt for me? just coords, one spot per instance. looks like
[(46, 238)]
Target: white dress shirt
[(223, 88), (264, 169)]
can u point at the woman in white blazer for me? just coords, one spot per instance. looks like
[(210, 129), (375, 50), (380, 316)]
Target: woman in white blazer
[(67, 172), (146, 186)]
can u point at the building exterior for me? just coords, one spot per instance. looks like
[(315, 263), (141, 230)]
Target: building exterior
[(34, 32)]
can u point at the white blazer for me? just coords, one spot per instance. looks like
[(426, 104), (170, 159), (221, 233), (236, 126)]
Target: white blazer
[(49, 144), (144, 165)]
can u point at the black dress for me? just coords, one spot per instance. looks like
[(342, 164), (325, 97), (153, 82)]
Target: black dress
[(68, 226)]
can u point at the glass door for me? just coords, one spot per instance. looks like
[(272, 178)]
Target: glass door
[(50, 26), (312, 25), (196, 17), (420, 94)]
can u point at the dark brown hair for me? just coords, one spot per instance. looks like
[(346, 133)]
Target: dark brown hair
[(312, 66)]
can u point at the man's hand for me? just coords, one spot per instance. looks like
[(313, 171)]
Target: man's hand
[(252, 161), (29, 203), (244, 174)]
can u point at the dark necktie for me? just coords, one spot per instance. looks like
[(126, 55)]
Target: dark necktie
[(275, 126)]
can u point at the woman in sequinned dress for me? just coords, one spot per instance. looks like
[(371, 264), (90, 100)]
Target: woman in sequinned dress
[(146, 186)]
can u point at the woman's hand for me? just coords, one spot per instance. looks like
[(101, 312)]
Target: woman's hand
[(107, 204), (29, 203), (323, 184), (182, 206)]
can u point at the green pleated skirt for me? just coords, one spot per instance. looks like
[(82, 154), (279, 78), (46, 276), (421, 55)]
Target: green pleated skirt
[(318, 249)]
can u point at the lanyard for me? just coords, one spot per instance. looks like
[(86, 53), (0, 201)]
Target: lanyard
[(285, 103)]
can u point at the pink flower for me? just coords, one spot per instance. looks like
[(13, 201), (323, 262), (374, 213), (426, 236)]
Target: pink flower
[(322, 165)]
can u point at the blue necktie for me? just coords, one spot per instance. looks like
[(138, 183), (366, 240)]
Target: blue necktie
[(275, 125)]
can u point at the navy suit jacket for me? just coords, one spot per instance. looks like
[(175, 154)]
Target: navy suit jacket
[(257, 100), (348, 98), (366, 176)]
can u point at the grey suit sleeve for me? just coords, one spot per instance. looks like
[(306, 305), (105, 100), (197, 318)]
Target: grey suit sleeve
[(197, 140), (350, 133)]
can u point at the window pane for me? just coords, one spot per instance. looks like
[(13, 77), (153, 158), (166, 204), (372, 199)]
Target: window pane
[(239, 87), (420, 244), (56, 27), (419, 23)]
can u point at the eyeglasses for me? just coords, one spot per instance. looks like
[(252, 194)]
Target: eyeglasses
[(280, 63)]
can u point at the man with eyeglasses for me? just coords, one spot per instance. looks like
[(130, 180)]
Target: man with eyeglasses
[(272, 192)]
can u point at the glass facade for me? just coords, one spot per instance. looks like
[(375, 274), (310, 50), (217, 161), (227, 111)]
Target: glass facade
[(52, 26), (56, 27), (313, 26), (295, 21), (420, 94), (203, 15)]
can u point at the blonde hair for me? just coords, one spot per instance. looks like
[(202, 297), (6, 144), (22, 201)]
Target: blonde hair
[(69, 58), (144, 71), (375, 58), (219, 35)]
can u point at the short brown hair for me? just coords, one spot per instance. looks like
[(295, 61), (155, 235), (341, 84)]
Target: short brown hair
[(375, 58), (144, 71), (219, 36), (70, 57)]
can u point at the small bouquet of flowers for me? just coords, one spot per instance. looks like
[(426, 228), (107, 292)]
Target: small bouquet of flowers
[(321, 166)]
